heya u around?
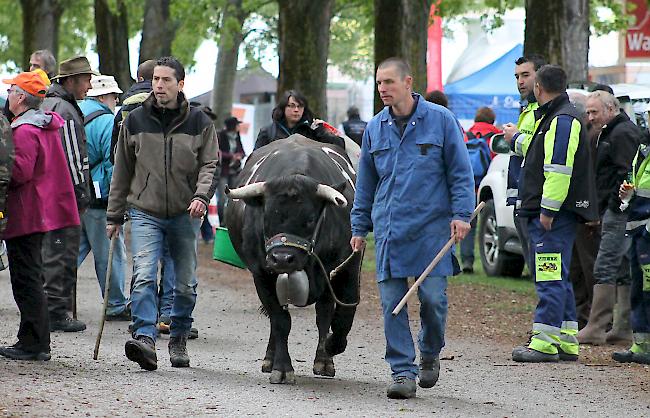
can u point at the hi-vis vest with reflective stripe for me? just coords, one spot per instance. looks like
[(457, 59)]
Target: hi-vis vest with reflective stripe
[(526, 128), (558, 157), (639, 212)]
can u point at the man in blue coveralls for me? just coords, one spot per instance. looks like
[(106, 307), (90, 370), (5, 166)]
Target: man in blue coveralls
[(414, 183)]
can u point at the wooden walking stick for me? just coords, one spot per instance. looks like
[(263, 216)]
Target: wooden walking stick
[(107, 288), (433, 263)]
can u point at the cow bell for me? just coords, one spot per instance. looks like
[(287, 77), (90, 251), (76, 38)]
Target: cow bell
[(292, 288)]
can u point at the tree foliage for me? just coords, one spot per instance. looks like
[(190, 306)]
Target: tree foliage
[(352, 38), (196, 21), (76, 27)]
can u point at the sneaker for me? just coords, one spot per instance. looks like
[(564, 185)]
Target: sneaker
[(163, 327), (66, 324), (429, 372), (528, 355), (123, 316), (14, 352), (468, 270), (142, 350), (178, 351), (401, 388)]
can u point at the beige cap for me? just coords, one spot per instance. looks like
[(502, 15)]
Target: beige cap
[(103, 84)]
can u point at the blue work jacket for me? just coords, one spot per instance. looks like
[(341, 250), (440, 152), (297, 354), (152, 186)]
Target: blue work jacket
[(410, 187)]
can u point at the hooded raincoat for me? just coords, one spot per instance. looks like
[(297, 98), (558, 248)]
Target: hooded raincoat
[(41, 196)]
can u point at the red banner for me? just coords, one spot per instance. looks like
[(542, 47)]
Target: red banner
[(434, 51), (637, 38)]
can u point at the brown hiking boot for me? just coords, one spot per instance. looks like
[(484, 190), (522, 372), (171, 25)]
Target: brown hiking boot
[(178, 351), (142, 350)]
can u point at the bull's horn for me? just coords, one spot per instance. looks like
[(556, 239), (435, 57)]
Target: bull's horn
[(252, 190), (331, 194)]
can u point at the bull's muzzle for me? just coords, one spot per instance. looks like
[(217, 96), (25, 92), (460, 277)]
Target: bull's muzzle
[(282, 260)]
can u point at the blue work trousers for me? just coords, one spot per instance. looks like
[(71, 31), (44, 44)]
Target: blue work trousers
[(640, 265), (93, 238), (550, 254), (400, 350), (148, 237)]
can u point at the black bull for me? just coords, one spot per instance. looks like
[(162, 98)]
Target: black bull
[(284, 188)]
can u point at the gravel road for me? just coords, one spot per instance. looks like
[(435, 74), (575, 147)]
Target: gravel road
[(477, 378)]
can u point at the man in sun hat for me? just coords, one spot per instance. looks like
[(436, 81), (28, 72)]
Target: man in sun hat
[(61, 247), (98, 108), (39, 178)]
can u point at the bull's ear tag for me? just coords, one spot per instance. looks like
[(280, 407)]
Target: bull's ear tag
[(424, 148)]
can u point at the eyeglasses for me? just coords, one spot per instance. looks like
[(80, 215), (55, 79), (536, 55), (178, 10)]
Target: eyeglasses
[(295, 106)]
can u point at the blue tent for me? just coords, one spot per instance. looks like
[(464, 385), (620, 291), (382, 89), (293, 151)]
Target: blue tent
[(493, 85)]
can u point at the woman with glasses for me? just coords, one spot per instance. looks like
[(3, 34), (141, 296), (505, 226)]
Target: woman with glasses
[(293, 116)]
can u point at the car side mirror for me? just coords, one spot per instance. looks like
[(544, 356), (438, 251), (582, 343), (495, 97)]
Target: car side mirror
[(499, 144)]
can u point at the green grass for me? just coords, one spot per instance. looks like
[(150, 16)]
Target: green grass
[(519, 285), (369, 256)]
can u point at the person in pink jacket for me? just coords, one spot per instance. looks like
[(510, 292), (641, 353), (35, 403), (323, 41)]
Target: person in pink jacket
[(40, 198)]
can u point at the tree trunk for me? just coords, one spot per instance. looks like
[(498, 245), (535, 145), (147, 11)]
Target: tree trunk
[(562, 40), (158, 31), (41, 19), (113, 42), (303, 33), (401, 31), (226, 69)]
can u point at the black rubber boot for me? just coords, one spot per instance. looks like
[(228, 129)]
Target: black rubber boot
[(178, 352), (142, 350)]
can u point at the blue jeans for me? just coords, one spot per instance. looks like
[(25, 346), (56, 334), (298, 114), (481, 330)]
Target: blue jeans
[(207, 233), (400, 350), (167, 279), (93, 238), (148, 237)]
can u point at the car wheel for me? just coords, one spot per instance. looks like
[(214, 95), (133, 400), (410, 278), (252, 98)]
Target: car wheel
[(495, 261)]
